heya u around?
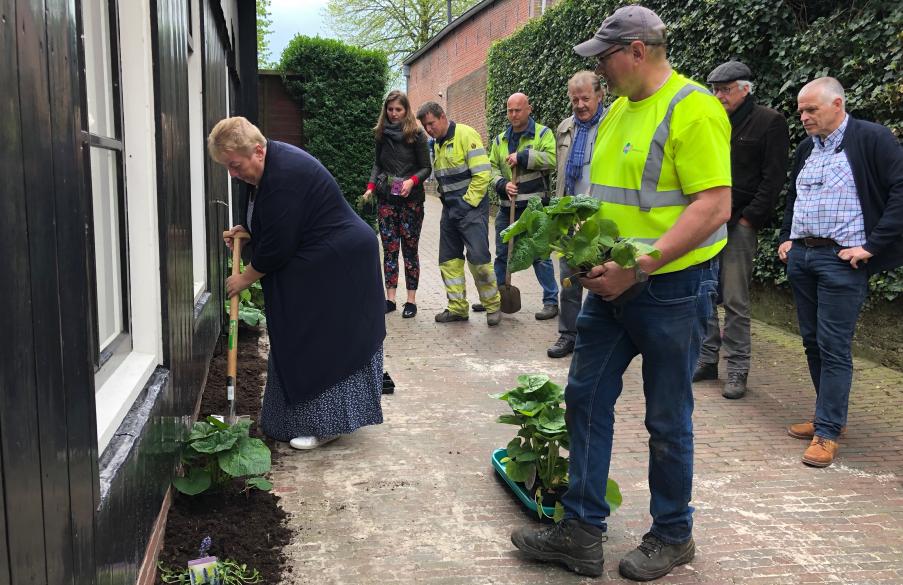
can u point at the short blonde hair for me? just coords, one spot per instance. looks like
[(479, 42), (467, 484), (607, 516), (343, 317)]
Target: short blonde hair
[(234, 134)]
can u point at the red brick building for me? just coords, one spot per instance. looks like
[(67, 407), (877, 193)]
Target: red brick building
[(279, 116), (451, 68)]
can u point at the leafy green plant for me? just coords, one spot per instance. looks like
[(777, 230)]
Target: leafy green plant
[(534, 456), (227, 572), (217, 453), (250, 302), (576, 228)]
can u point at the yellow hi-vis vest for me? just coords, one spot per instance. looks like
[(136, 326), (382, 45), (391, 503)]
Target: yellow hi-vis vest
[(650, 156)]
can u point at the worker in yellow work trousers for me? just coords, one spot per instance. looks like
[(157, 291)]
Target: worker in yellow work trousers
[(462, 170)]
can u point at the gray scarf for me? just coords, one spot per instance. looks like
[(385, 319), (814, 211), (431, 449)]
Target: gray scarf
[(393, 132)]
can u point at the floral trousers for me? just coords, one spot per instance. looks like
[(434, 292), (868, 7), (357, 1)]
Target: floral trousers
[(399, 228)]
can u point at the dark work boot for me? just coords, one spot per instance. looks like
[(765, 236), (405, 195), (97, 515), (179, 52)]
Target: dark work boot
[(705, 372), (736, 385), (562, 347), (654, 559), (570, 542)]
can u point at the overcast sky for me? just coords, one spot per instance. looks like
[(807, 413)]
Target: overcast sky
[(292, 17)]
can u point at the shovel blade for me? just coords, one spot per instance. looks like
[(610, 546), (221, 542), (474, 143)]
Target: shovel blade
[(510, 298)]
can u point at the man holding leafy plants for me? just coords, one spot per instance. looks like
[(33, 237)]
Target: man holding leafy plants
[(661, 166)]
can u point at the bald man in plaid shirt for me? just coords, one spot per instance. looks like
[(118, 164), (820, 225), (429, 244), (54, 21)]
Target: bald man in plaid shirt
[(843, 223)]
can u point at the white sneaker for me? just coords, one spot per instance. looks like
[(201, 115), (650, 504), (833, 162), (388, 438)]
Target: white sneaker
[(311, 442)]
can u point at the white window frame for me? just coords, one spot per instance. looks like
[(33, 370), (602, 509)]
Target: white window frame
[(196, 154), (119, 388)]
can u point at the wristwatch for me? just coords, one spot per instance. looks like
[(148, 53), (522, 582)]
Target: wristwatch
[(640, 274)]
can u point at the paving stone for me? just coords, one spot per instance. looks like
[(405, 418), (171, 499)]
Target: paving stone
[(415, 500)]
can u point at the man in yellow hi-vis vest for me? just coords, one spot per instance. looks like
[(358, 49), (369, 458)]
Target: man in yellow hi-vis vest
[(462, 170), (661, 165), (527, 148)]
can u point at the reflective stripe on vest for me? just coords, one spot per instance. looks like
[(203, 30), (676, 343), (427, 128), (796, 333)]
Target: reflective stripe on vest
[(648, 199)]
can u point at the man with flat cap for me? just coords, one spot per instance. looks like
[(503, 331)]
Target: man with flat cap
[(760, 144), (661, 166)]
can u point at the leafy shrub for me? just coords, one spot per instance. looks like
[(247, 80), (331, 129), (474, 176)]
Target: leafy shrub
[(217, 452), (339, 89), (786, 44), (534, 456)]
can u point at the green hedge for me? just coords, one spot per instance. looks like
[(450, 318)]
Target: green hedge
[(786, 44), (340, 93)]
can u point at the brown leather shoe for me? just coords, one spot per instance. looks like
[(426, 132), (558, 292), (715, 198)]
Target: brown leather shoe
[(806, 430), (821, 452)]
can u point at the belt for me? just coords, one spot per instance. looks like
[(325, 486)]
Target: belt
[(701, 265), (817, 242)]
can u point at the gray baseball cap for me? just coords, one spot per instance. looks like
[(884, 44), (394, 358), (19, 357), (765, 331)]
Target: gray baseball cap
[(730, 71), (625, 25)]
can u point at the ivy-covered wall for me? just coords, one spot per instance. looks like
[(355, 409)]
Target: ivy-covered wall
[(785, 43), (340, 89)]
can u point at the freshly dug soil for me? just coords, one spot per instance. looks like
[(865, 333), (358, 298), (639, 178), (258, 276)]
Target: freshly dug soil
[(247, 527)]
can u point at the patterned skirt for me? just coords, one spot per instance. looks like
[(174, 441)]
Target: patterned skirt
[(341, 409)]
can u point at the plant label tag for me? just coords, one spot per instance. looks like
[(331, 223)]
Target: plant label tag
[(203, 571)]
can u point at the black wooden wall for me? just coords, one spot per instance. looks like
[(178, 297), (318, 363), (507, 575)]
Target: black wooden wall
[(47, 422), (67, 513)]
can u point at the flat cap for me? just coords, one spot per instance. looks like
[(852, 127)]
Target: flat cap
[(730, 71), (625, 25)]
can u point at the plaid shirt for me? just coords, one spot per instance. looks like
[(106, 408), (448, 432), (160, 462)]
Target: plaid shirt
[(827, 204)]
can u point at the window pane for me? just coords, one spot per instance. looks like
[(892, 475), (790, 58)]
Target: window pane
[(98, 67), (107, 244)]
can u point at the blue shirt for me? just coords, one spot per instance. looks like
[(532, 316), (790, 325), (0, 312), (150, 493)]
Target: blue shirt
[(827, 204)]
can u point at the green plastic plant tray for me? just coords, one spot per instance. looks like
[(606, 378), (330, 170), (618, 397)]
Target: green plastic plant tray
[(521, 493)]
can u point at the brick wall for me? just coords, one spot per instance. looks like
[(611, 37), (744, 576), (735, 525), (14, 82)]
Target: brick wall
[(453, 71), (279, 115), (466, 100)]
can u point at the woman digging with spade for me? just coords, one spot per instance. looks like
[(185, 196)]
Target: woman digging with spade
[(325, 369)]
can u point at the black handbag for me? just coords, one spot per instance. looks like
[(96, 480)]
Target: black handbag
[(382, 185)]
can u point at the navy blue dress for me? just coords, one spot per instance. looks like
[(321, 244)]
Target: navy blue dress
[(323, 289)]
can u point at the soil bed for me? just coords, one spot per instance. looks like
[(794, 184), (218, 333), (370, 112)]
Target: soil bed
[(247, 527)]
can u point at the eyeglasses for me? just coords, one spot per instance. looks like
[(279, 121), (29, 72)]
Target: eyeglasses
[(604, 57), (724, 89)]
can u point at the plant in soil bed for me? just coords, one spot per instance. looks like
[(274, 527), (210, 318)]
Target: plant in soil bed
[(576, 228), (217, 453), (534, 456)]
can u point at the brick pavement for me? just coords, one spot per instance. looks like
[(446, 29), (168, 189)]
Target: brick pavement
[(415, 500)]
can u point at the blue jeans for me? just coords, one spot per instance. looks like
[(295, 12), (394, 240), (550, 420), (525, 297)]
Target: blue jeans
[(665, 325), (829, 294), (545, 272)]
